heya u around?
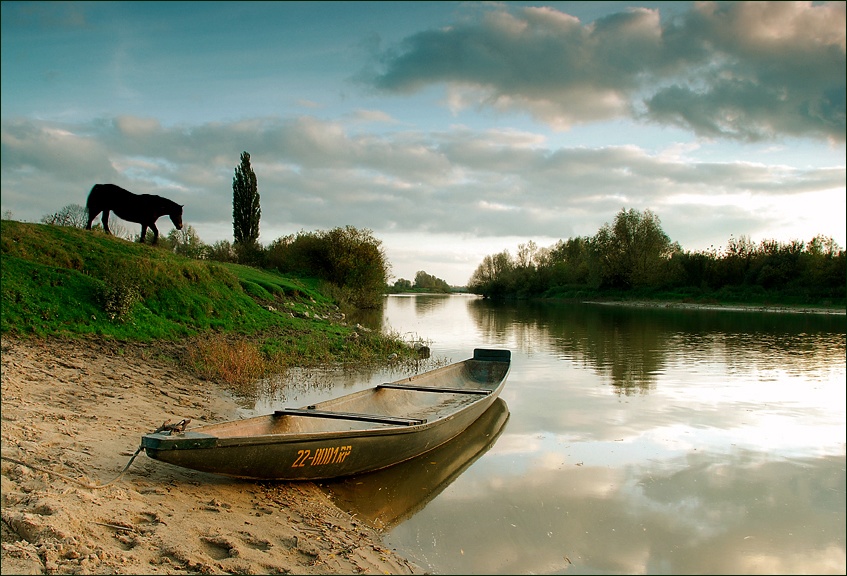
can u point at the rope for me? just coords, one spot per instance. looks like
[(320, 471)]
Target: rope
[(74, 480), (171, 428)]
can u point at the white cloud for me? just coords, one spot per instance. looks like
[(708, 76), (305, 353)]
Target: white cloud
[(739, 70)]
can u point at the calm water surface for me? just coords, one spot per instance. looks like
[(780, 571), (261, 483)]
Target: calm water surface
[(628, 441)]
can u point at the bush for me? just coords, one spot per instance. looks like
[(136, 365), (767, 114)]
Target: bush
[(222, 251), (119, 294), (351, 260)]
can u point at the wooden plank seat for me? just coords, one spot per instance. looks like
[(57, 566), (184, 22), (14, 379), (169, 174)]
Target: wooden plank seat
[(378, 418), (445, 389)]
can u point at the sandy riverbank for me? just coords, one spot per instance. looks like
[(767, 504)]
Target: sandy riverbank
[(80, 410)]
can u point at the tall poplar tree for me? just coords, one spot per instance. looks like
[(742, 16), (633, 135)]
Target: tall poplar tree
[(245, 204)]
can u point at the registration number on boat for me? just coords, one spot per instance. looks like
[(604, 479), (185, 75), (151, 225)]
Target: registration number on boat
[(322, 456)]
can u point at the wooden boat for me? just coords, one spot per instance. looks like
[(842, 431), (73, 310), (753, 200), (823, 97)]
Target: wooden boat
[(360, 432)]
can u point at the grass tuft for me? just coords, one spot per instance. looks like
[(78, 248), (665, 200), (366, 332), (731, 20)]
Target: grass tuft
[(239, 364)]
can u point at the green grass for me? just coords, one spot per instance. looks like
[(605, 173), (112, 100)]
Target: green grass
[(73, 283), (66, 281)]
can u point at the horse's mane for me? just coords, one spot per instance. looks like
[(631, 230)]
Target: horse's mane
[(168, 202)]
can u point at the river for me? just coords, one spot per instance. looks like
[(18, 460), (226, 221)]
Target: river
[(629, 440)]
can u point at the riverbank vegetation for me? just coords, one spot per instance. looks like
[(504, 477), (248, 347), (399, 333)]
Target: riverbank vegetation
[(629, 259), (62, 281), (350, 262), (633, 258)]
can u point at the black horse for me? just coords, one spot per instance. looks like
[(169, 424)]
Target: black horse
[(143, 209)]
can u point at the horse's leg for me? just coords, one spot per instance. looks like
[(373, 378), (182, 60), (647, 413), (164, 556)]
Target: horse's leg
[(155, 233), (143, 233), (105, 221), (91, 217)]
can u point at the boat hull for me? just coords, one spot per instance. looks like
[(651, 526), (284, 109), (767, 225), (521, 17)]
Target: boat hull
[(353, 434)]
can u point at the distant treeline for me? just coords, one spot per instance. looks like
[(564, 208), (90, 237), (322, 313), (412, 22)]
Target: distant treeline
[(423, 283), (634, 256)]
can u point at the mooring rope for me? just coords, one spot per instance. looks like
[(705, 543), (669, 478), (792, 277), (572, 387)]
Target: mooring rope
[(74, 480)]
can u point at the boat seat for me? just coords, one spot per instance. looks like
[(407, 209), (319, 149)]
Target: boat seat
[(445, 389), (378, 418)]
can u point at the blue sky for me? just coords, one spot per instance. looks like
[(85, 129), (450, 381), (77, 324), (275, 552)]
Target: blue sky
[(452, 130)]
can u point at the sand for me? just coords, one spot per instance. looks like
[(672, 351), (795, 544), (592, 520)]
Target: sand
[(79, 410)]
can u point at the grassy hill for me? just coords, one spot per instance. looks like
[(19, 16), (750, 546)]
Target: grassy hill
[(67, 282)]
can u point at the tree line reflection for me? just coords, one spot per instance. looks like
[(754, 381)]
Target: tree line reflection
[(632, 346)]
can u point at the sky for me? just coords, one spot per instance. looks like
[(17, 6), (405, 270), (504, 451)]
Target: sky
[(450, 130)]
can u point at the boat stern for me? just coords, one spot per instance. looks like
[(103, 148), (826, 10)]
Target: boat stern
[(163, 441)]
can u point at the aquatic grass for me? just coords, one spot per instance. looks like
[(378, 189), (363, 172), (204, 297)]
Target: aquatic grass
[(250, 364), (237, 363)]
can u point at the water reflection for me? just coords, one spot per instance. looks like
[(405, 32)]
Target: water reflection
[(370, 318), (691, 516), (298, 387), (431, 304), (638, 441), (645, 441), (632, 346), (412, 305), (387, 497)]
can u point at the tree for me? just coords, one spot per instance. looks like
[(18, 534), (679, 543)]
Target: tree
[(633, 250), (569, 262), (245, 204), (356, 261), (430, 283), (71, 215), (76, 216), (493, 276), (222, 251), (187, 243)]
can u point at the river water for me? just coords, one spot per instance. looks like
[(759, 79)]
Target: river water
[(628, 441)]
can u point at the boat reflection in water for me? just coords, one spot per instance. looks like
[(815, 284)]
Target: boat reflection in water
[(387, 497)]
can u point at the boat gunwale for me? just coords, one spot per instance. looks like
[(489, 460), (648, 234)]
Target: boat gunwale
[(294, 437)]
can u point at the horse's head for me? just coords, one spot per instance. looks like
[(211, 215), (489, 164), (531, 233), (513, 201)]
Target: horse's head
[(176, 217)]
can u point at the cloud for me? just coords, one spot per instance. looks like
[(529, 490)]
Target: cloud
[(769, 69), (744, 71), (318, 174)]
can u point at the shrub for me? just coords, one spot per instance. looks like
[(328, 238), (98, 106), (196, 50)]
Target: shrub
[(352, 260), (119, 293)]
